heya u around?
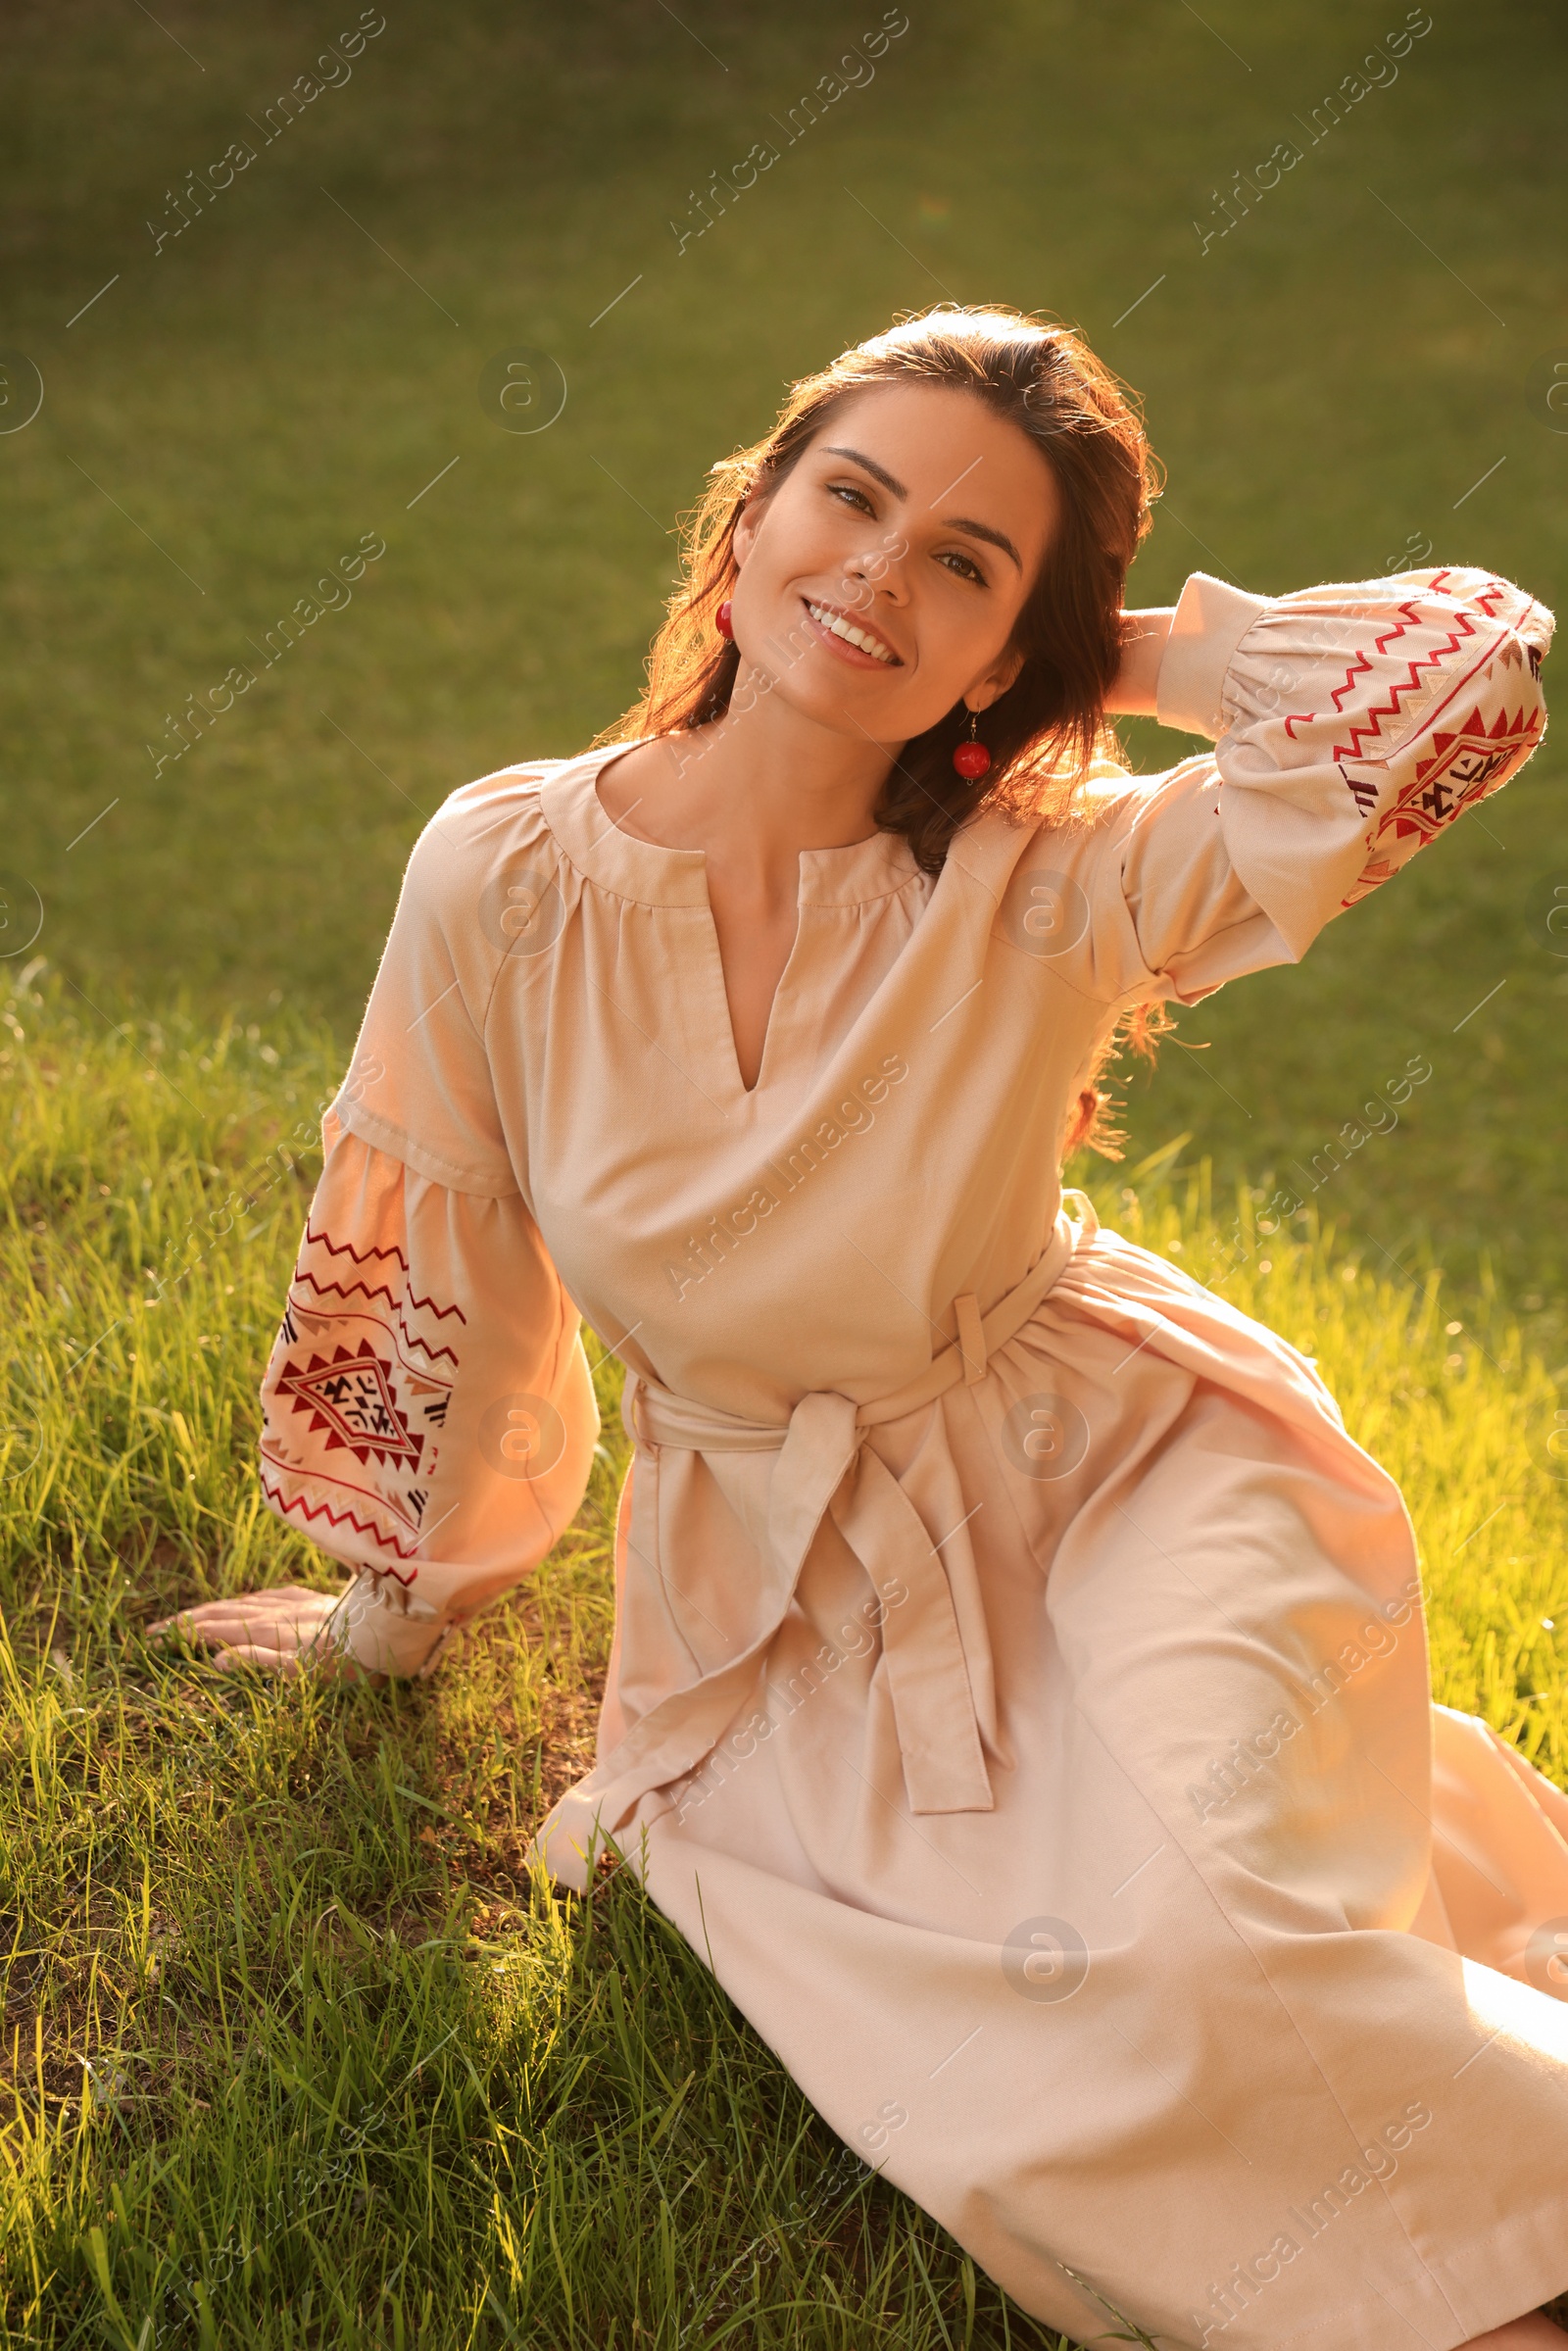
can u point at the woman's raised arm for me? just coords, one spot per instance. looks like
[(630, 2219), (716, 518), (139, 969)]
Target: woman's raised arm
[(1351, 723), (1144, 635)]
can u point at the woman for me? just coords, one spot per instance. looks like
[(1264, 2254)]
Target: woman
[(1019, 1693)]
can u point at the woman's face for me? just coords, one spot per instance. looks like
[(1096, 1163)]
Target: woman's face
[(916, 517)]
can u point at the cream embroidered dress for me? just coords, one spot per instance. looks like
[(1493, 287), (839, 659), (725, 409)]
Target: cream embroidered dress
[(1019, 1693)]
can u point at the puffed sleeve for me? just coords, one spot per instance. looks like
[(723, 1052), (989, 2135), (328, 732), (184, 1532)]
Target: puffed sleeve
[(1351, 724), (428, 1415)]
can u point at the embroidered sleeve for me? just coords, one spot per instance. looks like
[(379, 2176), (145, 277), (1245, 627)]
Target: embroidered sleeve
[(1352, 724), (1380, 713), (427, 1411)]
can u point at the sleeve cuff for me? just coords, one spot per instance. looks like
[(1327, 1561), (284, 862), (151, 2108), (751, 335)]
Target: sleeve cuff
[(401, 1640), (1210, 620)]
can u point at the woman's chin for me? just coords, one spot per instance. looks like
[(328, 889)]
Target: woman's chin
[(835, 707)]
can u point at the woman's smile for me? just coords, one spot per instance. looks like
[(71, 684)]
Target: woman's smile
[(850, 640)]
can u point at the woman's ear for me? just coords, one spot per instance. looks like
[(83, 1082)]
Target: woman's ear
[(747, 524), (996, 681)]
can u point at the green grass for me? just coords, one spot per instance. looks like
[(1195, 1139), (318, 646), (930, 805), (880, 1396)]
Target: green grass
[(295, 2053)]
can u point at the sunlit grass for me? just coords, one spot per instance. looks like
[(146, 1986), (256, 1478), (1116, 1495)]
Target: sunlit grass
[(294, 2054)]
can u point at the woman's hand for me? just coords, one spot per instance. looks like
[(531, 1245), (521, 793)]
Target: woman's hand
[(282, 1631), (1144, 638)]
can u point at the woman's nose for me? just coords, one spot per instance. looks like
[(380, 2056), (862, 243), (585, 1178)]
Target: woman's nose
[(875, 573)]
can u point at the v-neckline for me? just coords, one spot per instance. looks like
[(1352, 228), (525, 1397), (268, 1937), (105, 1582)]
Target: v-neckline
[(652, 873), (771, 1025), (718, 976)]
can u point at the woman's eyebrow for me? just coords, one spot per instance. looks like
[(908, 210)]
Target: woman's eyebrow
[(976, 530), (983, 530), (876, 471)]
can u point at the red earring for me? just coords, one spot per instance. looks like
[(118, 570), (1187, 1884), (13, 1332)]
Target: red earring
[(724, 618), (971, 759)]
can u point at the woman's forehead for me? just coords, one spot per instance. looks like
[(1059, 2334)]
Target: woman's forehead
[(942, 446)]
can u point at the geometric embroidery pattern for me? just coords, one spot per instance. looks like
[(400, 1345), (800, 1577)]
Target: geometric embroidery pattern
[(1432, 744), (1464, 765), (402, 1306), (354, 1401), (352, 1428), (1457, 765)]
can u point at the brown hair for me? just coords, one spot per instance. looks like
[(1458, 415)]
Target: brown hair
[(1047, 733)]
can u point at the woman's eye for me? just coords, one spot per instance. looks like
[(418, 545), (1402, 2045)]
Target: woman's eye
[(851, 496), (964, 565)]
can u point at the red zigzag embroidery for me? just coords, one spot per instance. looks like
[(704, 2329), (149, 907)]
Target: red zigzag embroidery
[(326, 1288), (341, 1248), (1360, 666), (342, 1518)]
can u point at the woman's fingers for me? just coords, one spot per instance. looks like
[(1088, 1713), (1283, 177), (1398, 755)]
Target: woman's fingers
[(283, 1602), (277, 1598), (283, 1636), (279, 1630), (323, 1658), (271, 1661), (286, 1619)]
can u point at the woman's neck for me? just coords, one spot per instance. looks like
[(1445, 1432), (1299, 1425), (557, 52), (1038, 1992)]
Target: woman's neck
[(752, 790)]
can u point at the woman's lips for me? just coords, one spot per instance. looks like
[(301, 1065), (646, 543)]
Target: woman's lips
[(855, 655)]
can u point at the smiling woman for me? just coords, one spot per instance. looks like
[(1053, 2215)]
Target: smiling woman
[(981, 486), (1017, 513), (966, 1545)]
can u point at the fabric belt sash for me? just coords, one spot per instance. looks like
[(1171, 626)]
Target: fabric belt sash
[(823, 1461)]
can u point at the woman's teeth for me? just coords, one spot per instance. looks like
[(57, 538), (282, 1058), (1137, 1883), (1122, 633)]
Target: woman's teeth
[(825, 617)]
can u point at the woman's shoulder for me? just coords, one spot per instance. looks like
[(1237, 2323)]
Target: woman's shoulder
[(1107, 803), (502, 805), (482, 845), (483, 824)]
